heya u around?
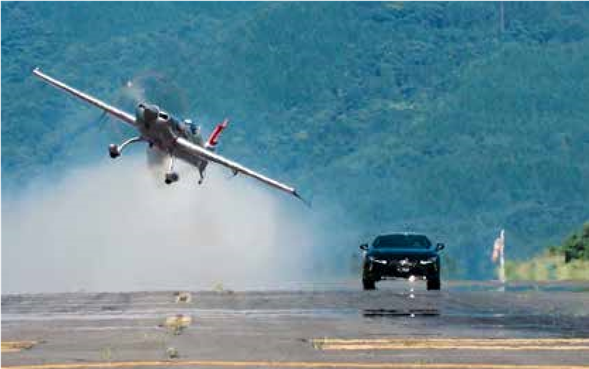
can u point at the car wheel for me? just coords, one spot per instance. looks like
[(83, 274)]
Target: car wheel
[(368, 284), (434, 283)]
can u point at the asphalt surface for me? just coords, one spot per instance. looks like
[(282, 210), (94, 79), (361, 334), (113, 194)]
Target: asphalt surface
[(400, 325)]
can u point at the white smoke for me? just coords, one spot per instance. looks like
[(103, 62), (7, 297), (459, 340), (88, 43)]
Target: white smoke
[(113, 227)]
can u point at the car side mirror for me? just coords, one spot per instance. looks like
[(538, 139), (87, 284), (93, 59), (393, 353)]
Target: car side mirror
[(364, 246), (440, 246)]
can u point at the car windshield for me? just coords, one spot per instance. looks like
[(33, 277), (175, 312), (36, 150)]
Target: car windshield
[(402, 241)]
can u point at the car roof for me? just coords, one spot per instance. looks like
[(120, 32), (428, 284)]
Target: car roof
[(401, 233)]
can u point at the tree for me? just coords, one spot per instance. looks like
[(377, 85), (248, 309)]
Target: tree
[(577, 245)]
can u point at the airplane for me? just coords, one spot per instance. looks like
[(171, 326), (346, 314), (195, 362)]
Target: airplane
[(181, 140)]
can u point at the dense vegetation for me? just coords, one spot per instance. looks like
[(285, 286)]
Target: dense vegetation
[(576, 246), (445, 118)]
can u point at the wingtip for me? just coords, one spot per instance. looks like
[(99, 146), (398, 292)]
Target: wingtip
[(306, 202)]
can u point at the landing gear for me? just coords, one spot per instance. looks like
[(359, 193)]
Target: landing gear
[(202, 177), (115, 151), (171, 176)]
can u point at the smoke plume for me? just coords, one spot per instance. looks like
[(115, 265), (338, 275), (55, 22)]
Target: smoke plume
[(115, 226)]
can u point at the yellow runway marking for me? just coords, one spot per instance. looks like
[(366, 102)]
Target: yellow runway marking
[(292, 364), (523, 344), (16, 346), (452, 347), (548, 341)]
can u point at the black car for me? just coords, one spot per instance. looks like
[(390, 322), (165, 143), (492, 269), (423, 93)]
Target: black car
[(401, 255)]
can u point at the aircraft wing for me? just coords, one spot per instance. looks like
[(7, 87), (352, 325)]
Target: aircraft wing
[(194, 151), (117, 113)]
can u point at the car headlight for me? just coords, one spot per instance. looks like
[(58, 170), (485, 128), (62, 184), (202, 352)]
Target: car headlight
[(378, 261), (428, 261)]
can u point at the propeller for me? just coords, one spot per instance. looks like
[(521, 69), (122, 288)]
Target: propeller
[(153, 89), (150, 88), (156, 88)]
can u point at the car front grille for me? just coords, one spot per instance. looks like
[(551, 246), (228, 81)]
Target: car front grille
[(406, 263)]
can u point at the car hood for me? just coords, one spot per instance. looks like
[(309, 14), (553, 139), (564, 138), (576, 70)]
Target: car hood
[(400, 253)]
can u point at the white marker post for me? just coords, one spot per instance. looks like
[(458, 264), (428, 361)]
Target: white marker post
[(498, 254)]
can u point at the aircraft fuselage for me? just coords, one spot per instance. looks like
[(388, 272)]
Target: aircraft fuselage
[(162, 130)]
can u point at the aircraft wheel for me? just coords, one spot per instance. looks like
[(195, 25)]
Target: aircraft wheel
[(171, 177), (113, 151)]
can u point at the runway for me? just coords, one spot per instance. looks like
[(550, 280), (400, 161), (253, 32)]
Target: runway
[(400, 325)]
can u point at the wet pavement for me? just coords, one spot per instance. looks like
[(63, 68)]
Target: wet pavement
[(466, 325)]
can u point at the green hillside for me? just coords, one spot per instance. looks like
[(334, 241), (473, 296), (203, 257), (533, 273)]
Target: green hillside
[(568, 261), (436, 117)]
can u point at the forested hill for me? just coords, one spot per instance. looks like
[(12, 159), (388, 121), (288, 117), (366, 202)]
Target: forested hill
[(439, 117)]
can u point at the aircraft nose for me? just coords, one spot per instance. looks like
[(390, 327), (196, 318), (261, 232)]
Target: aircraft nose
[(150, 112)]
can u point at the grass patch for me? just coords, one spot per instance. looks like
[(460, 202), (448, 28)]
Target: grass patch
[(547, 267)]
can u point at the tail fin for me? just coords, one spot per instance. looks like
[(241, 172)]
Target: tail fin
[(214, 137)]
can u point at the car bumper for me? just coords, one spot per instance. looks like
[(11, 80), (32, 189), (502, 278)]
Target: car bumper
[(400, 270)]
